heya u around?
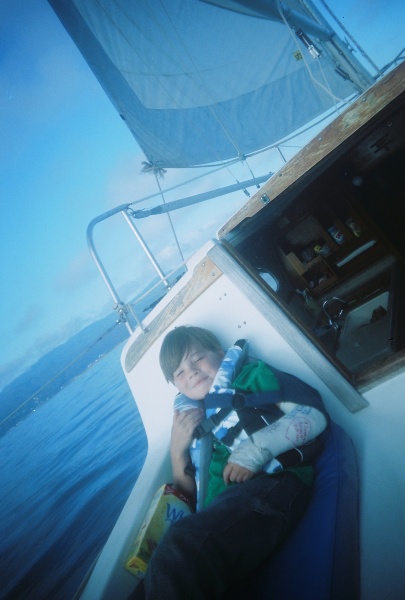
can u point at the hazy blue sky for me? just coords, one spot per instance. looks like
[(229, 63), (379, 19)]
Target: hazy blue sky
[(66, 157)]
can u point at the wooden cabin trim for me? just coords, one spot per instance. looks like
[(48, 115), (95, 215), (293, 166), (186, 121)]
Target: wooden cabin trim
[(204, 275), (327, 146), (262, 301)]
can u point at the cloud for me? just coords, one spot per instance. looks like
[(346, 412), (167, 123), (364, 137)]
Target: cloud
[(126, 184), (33, 314), (193, 225), (79, 272), (48, 341)]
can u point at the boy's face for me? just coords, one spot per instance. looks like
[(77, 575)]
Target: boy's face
[(196, 372)]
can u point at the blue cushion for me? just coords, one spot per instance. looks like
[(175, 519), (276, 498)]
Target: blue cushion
[(320, 559)]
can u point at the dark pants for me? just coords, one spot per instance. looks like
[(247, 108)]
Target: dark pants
[(206, 554)]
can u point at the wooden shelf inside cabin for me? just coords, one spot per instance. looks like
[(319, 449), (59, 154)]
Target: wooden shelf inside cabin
[(311, 255)]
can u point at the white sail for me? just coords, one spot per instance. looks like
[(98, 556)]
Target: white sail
[(197, 83)]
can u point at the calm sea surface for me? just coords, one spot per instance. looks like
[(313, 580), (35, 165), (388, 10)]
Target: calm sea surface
[(66, 471)]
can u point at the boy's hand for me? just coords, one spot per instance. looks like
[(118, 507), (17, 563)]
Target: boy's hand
[(237, 474), (182, 435), (183, 427)]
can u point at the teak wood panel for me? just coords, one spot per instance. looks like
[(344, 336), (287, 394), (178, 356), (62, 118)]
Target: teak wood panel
[(204, 275)]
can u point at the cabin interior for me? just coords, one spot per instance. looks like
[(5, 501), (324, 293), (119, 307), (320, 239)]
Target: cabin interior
[(332, 254)]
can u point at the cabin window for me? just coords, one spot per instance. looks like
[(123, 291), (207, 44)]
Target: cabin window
[(268, 278), (336, 254)]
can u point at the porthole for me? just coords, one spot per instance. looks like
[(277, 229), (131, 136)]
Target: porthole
[(270, 280)]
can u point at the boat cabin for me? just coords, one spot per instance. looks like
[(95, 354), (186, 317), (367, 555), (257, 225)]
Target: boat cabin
[(330, 249)]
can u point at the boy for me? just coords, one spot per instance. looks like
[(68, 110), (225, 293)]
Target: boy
[(249, 512)]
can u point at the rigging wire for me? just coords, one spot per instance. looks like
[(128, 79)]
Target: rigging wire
[(159, 175), (327, 90), (395, 60), (251, 172), (328, 85), (219, 167), (202, 85), (351, 38), (174, 49), (159, 172), (184, 51)]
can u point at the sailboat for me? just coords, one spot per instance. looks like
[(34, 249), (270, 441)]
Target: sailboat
[(310, 269)]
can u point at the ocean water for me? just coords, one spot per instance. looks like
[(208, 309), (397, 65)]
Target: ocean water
[(66, 471)]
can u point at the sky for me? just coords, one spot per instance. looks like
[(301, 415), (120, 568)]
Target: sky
[(66, 157)]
